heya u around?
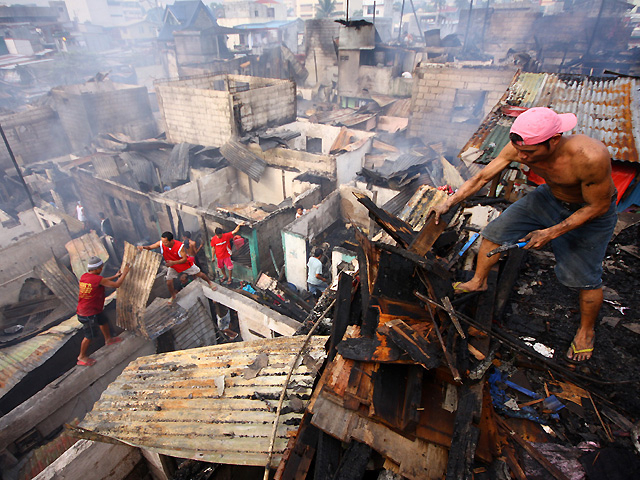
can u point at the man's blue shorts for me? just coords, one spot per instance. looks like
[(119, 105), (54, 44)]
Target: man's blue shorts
[(579, 253)]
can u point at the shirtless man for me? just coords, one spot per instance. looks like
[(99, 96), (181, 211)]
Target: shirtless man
[(177, 261), (575, 210)]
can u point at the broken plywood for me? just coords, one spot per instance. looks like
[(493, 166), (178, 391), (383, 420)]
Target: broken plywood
[(133, 294), (81, 249), (170, 403)]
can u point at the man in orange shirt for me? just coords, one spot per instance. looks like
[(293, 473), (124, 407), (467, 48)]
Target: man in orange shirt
[(91, 306), (177, 260), (221, 244)]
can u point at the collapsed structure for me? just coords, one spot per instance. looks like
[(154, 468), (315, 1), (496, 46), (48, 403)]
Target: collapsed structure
[(406, 379)]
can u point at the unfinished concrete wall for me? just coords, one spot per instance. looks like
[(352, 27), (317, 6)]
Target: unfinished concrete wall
[(195, 114), (134, 217), (321, 60), (104, 107), (34, 135), (269, 236), (448, 103), (20, 258), (352, 210), (302, 230), (348, 164), (266, 103), (300, 160), (209, 189), (12, 232), (360, 81), (505, 27)]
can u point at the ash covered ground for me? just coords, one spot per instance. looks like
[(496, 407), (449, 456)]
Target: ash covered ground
[(543, 308)]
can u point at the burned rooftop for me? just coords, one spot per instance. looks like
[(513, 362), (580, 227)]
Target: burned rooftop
[(283, 154)]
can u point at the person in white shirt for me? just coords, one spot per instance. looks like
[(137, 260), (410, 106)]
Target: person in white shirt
[(316, 283)]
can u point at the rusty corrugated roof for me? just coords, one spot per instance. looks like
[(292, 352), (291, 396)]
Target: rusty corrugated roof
[(60, 281), (81, 249), (607, 110), (133, 294), (241, 158), (208, 403), (18, 360)]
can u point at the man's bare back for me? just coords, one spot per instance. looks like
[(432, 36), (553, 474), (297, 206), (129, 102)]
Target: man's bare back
[(577, 162)]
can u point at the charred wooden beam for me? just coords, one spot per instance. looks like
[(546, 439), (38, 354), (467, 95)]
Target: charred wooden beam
[(407, 339), (300, 452), (341, 316), (354, 462), (365, 349), (327, 457), (430, 232), (508, 278), (412, 399), (398, 229)]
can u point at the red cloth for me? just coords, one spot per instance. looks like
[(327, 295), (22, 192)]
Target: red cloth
[(91, 297), (221, 245), (622, 174), (172, 254)]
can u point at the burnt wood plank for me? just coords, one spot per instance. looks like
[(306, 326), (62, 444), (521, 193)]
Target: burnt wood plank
[(341, 317), (412, 400), (354, 462), (465, 430), (297, 459), (508, 278), (366, 349), (430, 232), (327, 457), (398, 229), (408, 340)]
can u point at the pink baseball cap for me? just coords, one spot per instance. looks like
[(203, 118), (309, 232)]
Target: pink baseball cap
[(539, 124)]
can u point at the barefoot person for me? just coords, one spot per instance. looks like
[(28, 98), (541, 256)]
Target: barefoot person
[(575, 210), (177, 260), (91, 306), (221, 244)]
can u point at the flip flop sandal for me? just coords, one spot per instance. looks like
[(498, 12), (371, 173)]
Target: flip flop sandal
[(89, 363), (573, 351)]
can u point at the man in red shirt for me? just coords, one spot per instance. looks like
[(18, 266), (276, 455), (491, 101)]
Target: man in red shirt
[(91, 306), (177, 260), (221, 244)]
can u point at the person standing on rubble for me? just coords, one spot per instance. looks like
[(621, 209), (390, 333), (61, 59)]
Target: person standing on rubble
[(221, 244), (575, 210), (177, 261), (192, 248), (90, 309), (316, 283)]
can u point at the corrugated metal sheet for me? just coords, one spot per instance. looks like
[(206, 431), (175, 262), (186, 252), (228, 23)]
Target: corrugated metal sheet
[(399, 108), (142, 168), (133, 294), (81, 249), (60, 281), (159, 318), (176, 168), (105, 165), (198, 329), (242, 159), (607, 110), (18, 360), (208, 403), (397, 203)]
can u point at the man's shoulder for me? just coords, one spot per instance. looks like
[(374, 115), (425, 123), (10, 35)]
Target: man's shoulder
[(585, 147)]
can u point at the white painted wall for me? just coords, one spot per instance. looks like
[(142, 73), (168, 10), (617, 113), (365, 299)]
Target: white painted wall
[(348, 164), (29, 224), (303, 229)]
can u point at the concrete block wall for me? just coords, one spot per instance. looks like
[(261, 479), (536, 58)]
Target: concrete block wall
[(124, 110), (195, 114), (73, 115), (21, 257), (433, 99), (269, 234), (34, 135), (321, 58), (266, 105)]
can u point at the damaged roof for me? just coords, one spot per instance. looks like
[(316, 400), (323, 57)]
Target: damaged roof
[(17, 361), (607, 110), (241, 158), (215, 404), (60, 281)]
